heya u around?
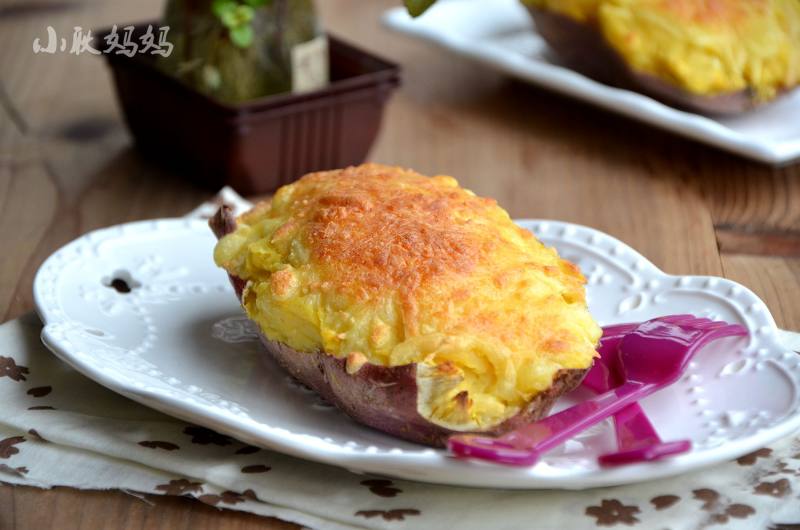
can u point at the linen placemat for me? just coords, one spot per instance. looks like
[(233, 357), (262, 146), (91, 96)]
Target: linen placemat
[(58, 428)]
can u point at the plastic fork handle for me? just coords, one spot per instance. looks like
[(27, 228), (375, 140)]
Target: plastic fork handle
[(634, 429), (554, 430), (645, 453)]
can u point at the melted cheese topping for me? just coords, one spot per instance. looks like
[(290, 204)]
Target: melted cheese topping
[(704, 46), (383, 265)]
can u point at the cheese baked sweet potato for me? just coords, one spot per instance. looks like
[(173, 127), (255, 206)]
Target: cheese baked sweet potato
[(716, 57), (408, 302)]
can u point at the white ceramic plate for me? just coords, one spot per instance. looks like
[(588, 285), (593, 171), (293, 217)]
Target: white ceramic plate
[(178, 342), (501, 34)]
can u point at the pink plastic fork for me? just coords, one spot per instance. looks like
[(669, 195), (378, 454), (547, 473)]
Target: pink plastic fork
[(637, 440), (653, 356)]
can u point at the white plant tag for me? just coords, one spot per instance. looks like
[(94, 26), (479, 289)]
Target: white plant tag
[(310, 68)]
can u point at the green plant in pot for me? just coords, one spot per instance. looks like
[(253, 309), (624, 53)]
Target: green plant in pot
[(239, 53), (238, 50)]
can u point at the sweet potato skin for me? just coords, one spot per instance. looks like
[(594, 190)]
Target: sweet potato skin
[(385, 398), (382, 397), (582, 47)]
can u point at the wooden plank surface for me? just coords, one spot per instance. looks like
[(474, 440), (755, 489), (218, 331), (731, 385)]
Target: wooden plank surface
[(67, 166)]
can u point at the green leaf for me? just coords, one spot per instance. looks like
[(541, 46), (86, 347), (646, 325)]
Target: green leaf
[(242, 36), (417, 7), (257, 3), (229, 19), (222, 7), (244, 14)]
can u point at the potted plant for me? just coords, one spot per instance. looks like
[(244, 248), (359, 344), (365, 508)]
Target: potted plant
[(252, 94), (239, 50)]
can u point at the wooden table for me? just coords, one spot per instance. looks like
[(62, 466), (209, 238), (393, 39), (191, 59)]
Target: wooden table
[(67, 166)]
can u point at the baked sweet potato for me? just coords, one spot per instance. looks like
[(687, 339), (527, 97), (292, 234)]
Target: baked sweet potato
[(408, 302), (581, 45)]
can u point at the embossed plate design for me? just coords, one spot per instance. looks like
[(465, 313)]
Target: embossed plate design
[(142, 309)]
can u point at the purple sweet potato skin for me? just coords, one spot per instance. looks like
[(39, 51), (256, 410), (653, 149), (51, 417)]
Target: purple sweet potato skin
[(382, 397), (582, 47), (385, 398)]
